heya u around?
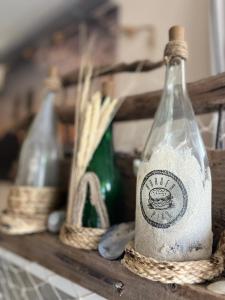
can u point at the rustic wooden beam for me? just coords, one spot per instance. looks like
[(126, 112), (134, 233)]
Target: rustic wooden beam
[(109, 279), (207, 84), (207, 95), (143, 106), (136, 66)]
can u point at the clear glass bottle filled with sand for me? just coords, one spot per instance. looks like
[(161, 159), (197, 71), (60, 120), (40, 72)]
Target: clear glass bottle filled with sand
[(40, 157), (173, 208)]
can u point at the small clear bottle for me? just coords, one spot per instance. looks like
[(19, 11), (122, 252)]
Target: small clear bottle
[(173, 208), (40, 156)]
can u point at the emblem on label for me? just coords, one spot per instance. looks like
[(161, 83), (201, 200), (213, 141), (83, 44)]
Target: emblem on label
[(163, 198)]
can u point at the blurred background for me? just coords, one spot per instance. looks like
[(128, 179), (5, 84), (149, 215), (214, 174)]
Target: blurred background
[(35, 35)]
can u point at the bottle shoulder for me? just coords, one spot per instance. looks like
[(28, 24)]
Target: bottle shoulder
[(176, 136)]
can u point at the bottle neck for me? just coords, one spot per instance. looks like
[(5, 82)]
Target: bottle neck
[(175, 76), (105, 147), (45, 121)]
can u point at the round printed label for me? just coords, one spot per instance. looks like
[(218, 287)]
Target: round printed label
[(163, 198)]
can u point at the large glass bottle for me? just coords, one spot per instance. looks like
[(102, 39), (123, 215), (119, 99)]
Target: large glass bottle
[(40, 155), (103, 164), (173, 208)]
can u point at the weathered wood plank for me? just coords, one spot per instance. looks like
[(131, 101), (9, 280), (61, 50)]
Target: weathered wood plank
[(143, 106), (200, 86), (136, 66), (87, 268), (207, 95), (217, 163)]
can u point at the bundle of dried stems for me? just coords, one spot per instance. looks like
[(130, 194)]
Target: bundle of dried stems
[(92, 118)]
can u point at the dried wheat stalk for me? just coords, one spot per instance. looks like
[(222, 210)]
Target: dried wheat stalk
[(92, 120)]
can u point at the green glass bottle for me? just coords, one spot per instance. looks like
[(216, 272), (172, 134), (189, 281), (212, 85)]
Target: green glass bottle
[(103, 164)]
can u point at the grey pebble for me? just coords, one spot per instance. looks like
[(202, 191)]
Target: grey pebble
[(56, 220), (114, 241)]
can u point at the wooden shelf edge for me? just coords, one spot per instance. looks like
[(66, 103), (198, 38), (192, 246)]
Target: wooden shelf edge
[(87, 268)]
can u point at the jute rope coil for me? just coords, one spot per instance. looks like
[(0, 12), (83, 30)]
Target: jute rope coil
[(28, 208), (85, 237), (81, 237), (32, 200), (175, 49), (22, 224), (187, 272)]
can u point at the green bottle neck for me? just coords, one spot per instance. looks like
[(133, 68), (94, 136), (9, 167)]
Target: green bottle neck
[(104, 153)]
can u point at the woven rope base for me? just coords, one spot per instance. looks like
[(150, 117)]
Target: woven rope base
[(32, 200), (28, 209), (81, 237), (176, 272), (22, 224)]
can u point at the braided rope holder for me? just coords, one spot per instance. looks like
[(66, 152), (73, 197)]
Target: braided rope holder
[(75, 234), (28, 209), (187, 272)]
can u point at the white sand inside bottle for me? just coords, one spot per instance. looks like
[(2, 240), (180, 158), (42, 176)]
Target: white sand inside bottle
[(173, 210)]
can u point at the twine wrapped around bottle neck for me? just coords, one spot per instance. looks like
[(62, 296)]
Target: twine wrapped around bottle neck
[(176, 48)]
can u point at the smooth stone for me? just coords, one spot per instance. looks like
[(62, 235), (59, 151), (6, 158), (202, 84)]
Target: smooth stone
[(113, 242), (56, 220), (217, 287)]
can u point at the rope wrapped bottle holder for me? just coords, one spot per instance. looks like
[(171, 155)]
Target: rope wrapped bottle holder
[(86, 237), (187, 272), (28, 209)]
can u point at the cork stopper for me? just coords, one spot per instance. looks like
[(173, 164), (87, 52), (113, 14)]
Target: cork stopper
[(177, 46), (53, 82), (176, 33), (53, 72)]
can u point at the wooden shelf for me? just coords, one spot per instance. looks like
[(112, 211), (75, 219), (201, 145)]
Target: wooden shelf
[(207, 95), (87, 268)]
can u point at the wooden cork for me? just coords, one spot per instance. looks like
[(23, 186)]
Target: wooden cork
[(176, 33), (53, 72), (53, 81)]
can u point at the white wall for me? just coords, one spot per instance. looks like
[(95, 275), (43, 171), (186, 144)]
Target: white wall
[(194, 16)]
